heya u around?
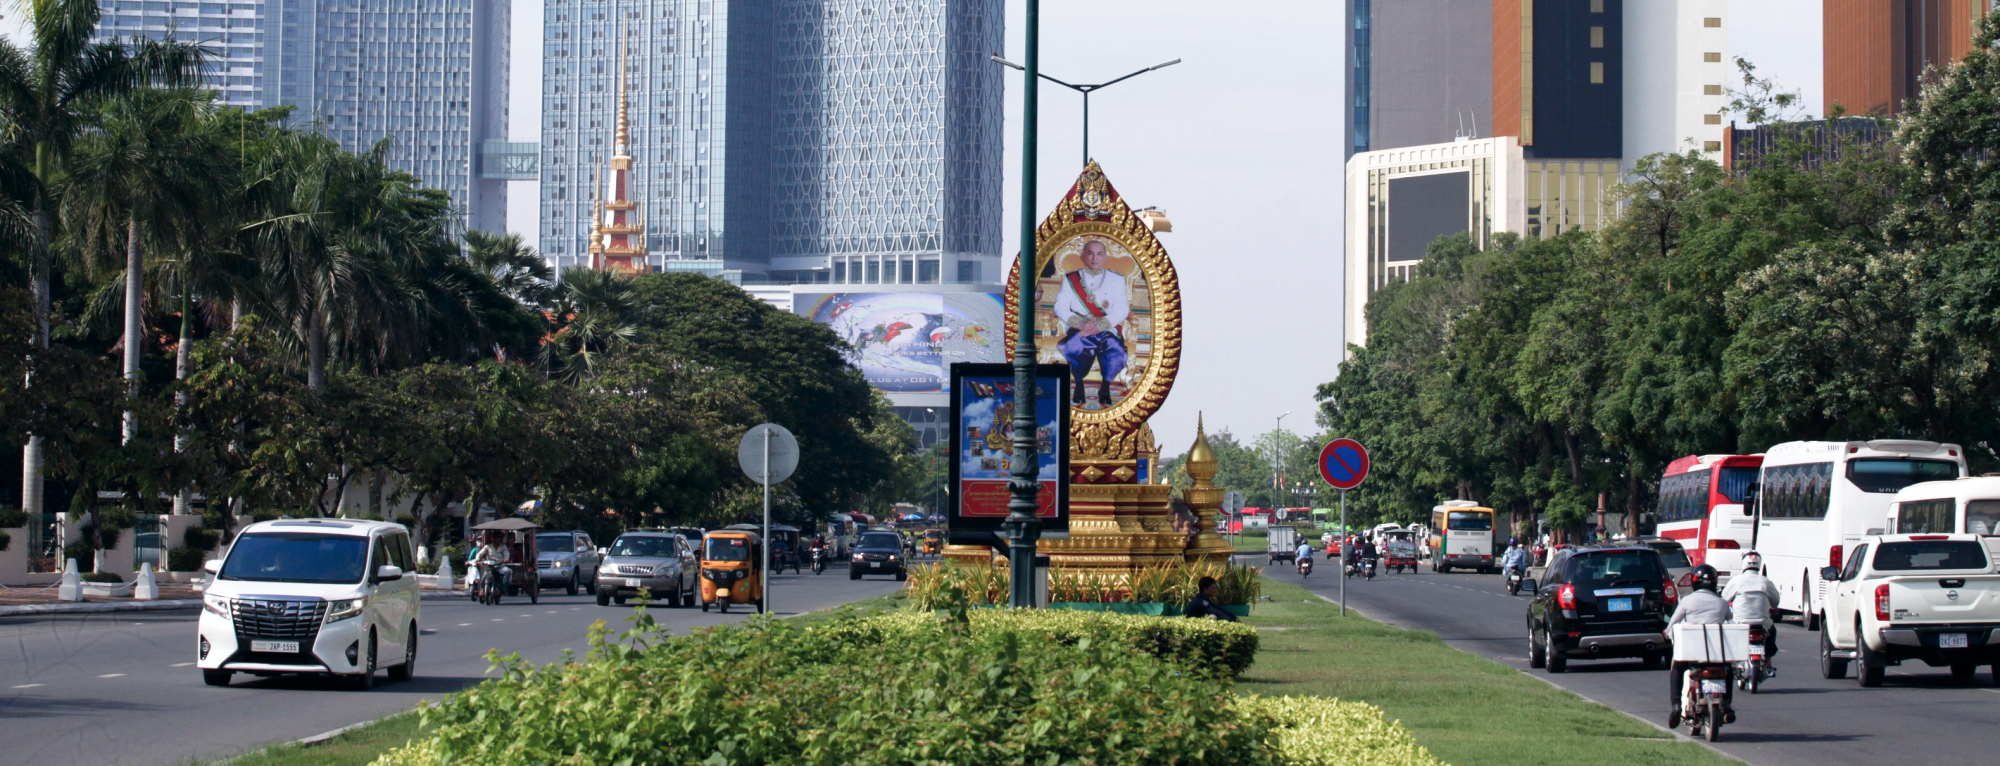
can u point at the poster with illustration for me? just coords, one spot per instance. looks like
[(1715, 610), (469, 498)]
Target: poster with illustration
[(982, 448), (903, 342)]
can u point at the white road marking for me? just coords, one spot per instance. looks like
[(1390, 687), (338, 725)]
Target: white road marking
[(465, 625), (499, 619), (552, 611), (31, 686), (182, 664), (112, 675), (527, 615)]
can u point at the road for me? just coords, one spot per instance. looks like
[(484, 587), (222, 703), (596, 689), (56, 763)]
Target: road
[(1798, 719), (122, 688)]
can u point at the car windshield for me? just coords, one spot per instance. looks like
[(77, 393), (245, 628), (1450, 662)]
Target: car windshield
[(555, 543), (656, 547), (1463, 521), (1919, 555), (884, 540), (726, 549), (1611, 568), (1673, 557), (297, 557), (1890, 474)]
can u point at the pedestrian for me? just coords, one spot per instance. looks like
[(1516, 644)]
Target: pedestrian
[(1203, 604)]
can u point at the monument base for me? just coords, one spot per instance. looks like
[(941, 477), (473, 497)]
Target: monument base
[(1117, 528)]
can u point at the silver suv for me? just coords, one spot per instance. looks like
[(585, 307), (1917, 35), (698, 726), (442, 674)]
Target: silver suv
[(566, 560), (661, 562)]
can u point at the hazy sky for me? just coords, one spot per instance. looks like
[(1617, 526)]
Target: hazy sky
[(1240, 144)]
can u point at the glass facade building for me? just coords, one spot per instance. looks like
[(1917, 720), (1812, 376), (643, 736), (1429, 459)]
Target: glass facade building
[(430, 76), (817, 141)]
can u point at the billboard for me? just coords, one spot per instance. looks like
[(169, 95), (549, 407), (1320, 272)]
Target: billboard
[(982, 446), (906, 342)]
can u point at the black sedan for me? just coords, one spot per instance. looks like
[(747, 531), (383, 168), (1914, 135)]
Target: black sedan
[(1601, 603), (878, 553)]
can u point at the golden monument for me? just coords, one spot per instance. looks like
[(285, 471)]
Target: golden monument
[(1205, 500), (1108, 303), (617, 229)]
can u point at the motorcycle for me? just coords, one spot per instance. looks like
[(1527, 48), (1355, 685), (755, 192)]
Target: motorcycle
[(1305, 566), (1704, 695), (1369, 572), (1353, 567), (819, 561), (1513, 581), (1751, 673), (486, 590)]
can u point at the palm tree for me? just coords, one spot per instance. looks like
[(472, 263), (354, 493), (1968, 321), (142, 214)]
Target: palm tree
[(594, 312), (146, 175), (515, 268), (48, 90)]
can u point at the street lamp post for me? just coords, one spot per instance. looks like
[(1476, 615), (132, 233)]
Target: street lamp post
[(1023, 526), (1086, 90), (1277, 483)]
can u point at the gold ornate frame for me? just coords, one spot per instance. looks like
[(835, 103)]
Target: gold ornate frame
[(1112, 433)]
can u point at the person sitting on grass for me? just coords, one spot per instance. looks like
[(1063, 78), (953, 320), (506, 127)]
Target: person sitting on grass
[(1204, 604)]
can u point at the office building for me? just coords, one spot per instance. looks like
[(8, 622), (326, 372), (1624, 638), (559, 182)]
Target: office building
[(1878, 50), (1418, 72), (814, 141), (1676, 72), (429, 75)]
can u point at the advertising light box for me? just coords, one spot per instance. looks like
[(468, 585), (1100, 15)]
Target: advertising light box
[(906, 342)]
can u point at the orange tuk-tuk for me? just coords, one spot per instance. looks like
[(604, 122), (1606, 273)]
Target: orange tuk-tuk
[(933, 542), (732, 569)]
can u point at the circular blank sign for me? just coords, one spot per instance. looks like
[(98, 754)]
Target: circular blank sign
[(784, 453)]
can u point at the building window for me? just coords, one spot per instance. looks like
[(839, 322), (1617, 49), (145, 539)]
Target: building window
[(1597, 73), (1711, 119), (1711, 90), (968, 271), (1711, 146), (1712, 57), (1596, 6), (1712, 22), (1597, 37)]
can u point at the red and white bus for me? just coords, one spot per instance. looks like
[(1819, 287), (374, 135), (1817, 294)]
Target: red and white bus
[(1701, 507)]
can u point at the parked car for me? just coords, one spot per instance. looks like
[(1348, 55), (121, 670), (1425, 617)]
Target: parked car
[(566, 560), (661, 562), (319, 596), (1672, 554), (878, 553), (1912, 597), (1601, 602)]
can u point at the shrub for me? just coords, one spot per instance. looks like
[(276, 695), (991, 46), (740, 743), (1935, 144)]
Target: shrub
[(5, 540), (103, 577), (185, 559), (12, 518), (457, 554), (1202, 648), (200, 539), (86, 556), (1317, 730)]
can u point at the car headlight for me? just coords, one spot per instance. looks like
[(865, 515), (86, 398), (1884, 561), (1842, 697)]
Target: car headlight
[(344, 608), (216, 605), (892, 557), (558, 564), (858, 557)]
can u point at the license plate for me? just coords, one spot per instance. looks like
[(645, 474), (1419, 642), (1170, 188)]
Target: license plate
[(1951, 641), (631, 582), (1618, 605), (292, 647), (1714, 688)]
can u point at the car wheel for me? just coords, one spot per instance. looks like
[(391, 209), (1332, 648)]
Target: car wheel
[(1963, 669), (692, 594), (365, 680), (619, 599), (704, 606), (575, 583), (853, 575), (1873, 664), (1557, 661), (1536, 658), (603, 597), (674, 596), (1654, 660), (1830, 667), (591, 587), (902, 575), (216, 677), (409, 667)]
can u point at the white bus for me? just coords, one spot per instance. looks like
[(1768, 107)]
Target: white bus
[(1817, 498)]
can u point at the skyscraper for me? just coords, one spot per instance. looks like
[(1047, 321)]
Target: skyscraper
[(429, 75), (1877, 50), (838, 141), (1418, 72)]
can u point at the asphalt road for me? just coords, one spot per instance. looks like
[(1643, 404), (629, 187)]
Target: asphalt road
[(122, 688), (1798, 719)]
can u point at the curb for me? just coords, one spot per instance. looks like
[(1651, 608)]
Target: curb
[(131, 606)]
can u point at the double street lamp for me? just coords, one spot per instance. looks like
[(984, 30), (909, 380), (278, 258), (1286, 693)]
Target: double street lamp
[(1086, 90)]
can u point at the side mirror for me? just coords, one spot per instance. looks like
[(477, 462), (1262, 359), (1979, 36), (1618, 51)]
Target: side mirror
[(603, 551), (388, 573), (1750, 494), (1829, 573), (212, 566)]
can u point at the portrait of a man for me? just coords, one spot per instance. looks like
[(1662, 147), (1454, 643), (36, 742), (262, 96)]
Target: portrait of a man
[(1093, 303)]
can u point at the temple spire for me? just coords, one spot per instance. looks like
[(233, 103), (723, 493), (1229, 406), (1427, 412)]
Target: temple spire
[(620, 145)]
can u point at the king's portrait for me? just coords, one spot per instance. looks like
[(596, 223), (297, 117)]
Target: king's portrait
[(1093, 303)]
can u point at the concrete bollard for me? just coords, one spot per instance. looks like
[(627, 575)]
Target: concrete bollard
[(423, 554), (71, 588), (148, 587), (444, 574)]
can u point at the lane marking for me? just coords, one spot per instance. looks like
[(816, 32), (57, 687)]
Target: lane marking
[(527, 615), (465, 625), (31, 686), (182, 664), (499, 619), (112, 675)]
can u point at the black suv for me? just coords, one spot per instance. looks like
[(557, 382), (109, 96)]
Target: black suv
[(1601, 603), (878, 553)]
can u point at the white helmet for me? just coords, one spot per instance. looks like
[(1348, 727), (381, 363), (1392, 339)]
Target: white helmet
[(1753, 561)]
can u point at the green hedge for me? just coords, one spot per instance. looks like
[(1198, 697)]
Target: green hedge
[(12, 518), (199, 539), (1204, 648), (185, 559), (86, 556)]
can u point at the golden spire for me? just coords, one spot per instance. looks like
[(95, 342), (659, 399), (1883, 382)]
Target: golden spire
[(1205, 500), (1201, 463), (619, 147)]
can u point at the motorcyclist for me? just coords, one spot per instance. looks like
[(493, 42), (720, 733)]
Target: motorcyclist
[(1750, 595), (1516, 558), (496, 553), (1305, 554), (1368, 551), (1701, 606)]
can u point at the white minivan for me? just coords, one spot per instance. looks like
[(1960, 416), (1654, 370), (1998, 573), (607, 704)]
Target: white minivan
[(334, 596)]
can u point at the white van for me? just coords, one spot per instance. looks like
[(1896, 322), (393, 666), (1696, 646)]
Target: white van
[(1816, 499), (334, 596)]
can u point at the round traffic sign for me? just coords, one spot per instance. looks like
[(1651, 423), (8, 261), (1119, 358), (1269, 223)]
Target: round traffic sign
[(782, 448), (1343, 463)]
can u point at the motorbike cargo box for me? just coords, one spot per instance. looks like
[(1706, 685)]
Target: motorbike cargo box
[(1711, 643)]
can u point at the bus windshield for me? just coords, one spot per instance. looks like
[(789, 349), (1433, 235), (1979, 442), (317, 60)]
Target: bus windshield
[(1733, 481), (1469, 521), (1891, 474)]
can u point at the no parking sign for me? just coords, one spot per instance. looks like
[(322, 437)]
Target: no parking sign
[(1343, 463)]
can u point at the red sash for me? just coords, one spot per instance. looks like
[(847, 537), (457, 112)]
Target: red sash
[(1089, 301)]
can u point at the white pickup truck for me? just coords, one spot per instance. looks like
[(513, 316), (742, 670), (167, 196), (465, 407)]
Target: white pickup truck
[(1934, 598)]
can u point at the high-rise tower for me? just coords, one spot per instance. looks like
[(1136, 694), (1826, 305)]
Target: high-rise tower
[(1877, 50)]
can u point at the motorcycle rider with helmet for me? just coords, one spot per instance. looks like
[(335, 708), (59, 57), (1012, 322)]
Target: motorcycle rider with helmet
[(1700, 606), (1750, 595), (1515, 559), (1303, 556)]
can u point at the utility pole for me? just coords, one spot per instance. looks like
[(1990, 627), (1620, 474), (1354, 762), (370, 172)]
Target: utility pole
[(1024, 527)]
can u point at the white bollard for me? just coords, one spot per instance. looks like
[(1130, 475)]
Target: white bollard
[(72, 584), (423, 554), (444, 574), (147, 588)]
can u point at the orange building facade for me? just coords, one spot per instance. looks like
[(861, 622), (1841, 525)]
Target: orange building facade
[(1876, 51)]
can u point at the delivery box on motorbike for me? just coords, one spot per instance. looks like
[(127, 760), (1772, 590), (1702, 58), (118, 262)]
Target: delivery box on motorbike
[(1728, 642)]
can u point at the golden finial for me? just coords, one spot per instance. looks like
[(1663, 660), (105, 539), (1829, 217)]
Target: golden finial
[(622, 40), (1201, 463)]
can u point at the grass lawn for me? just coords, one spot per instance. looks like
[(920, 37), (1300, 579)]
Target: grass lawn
[(1467, 710), (353, 748)]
